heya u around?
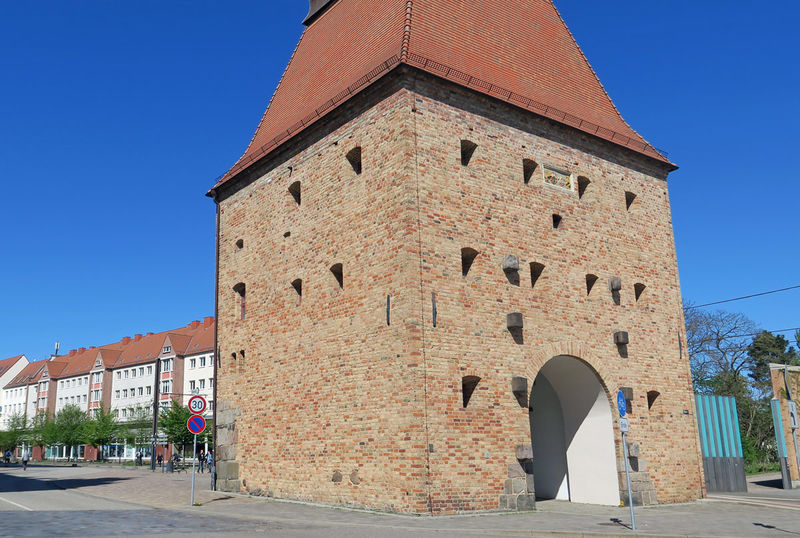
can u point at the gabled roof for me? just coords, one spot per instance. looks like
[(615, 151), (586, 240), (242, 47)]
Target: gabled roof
[(8, 363), (519, 51), (29, 374)]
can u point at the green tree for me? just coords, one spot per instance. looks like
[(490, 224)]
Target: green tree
[(139, 427), (173, 423), (70, 427), (768, 348), (42, 431), (101, 429), (17, 428)]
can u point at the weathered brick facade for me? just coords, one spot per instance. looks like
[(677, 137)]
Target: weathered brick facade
[(320, 399)]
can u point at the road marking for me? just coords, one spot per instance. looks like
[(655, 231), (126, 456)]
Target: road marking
[(17, 505)]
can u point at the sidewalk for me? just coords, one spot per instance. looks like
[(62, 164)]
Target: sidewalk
[(703, 518)]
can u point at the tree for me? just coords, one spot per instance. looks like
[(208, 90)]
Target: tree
[(139, 427), (768, 348), (173, 424), (42, 431), (718, 343), (17, 428), (70, 426), (102, 429)]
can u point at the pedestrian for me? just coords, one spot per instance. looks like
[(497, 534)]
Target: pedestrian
[(7, 457), (160, 460), (25, 457), (201, 459), (212, 470)]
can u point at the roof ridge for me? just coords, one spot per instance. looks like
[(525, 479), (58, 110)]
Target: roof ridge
[(600, 82), (404, 48)]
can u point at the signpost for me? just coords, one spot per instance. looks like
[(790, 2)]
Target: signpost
[(622, 406), (196, 424)]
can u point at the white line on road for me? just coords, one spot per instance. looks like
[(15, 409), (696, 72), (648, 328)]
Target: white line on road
[(16, 504)]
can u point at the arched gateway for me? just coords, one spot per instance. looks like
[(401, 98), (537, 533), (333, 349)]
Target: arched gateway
[(572, 434)]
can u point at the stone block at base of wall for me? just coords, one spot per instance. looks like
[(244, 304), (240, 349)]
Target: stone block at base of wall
[(521, 502)]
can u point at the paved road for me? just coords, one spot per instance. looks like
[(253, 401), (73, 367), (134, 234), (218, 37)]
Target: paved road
[(104, 501)]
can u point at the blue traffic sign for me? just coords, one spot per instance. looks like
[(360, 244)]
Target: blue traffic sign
[(622, 405), (196, 424)]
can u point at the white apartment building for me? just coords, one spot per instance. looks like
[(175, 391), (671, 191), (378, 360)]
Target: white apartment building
[(73, 391), (132, 388), (198, 378), (12, 400)]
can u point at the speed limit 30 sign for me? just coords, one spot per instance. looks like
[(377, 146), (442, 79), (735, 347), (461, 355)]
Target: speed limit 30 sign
[(197, 404)]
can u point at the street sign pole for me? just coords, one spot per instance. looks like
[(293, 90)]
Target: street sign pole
[(194, 462), (622, 406)]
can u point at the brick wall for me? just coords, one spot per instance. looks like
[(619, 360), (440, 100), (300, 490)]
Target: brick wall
[(330, 404)]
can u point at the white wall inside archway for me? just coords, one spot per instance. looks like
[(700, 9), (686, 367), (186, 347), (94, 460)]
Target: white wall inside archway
[(568, 388)]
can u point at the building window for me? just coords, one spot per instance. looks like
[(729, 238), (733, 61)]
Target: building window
[(149, 390), (124, 412), (166, 387), (84, 398), (294, 190), (168, 365), (124, 393), (239, 289), (141, 371), (116, 395), (166, 349), (211, 405), (141, 391), (211, 382), (127, 373), (192, 363), (354, 158), (467, 150), (149, 370), (95, 395), (202, 383), (192, 385), (119, 375), (133, 372), (202, 362)]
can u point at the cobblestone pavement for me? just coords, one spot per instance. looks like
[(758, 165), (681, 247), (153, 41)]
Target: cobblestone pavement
[(158, 504)]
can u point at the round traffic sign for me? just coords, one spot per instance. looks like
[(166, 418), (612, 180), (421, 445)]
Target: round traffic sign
[(196, 424), (622, 405), (197, 404)]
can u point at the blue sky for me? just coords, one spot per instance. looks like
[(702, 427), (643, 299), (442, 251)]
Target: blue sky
[(116, 117)]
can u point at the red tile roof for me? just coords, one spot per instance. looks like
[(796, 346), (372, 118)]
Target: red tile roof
[(519, 51), (29, 374), (5, 364)]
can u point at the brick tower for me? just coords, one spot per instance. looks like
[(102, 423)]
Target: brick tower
[(439, 258)]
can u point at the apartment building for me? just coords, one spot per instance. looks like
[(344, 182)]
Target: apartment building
[(12, 399), (122, 377)]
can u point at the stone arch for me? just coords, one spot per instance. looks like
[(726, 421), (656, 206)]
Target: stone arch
[(572, 427)]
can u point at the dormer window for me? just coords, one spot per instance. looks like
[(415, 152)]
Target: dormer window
[(166, 349)]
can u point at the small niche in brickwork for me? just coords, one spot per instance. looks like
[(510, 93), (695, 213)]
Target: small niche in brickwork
[(467, 150), (468, 256), (591, 280), (583, 184), (638, 290), (240, 244), (354, 158), (556, 221), (652, 396), (536, 272), (528, 168), (297, 284), (338, 274), (630, 198), (239, 290), (468, 384), (294, 190)]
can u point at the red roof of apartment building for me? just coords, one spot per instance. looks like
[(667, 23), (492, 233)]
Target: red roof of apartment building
[(520, 51), (5, 364), (29, 374)]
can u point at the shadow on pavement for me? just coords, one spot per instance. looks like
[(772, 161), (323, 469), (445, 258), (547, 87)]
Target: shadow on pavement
[(16, 483), (767, 483), (774, 528)]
